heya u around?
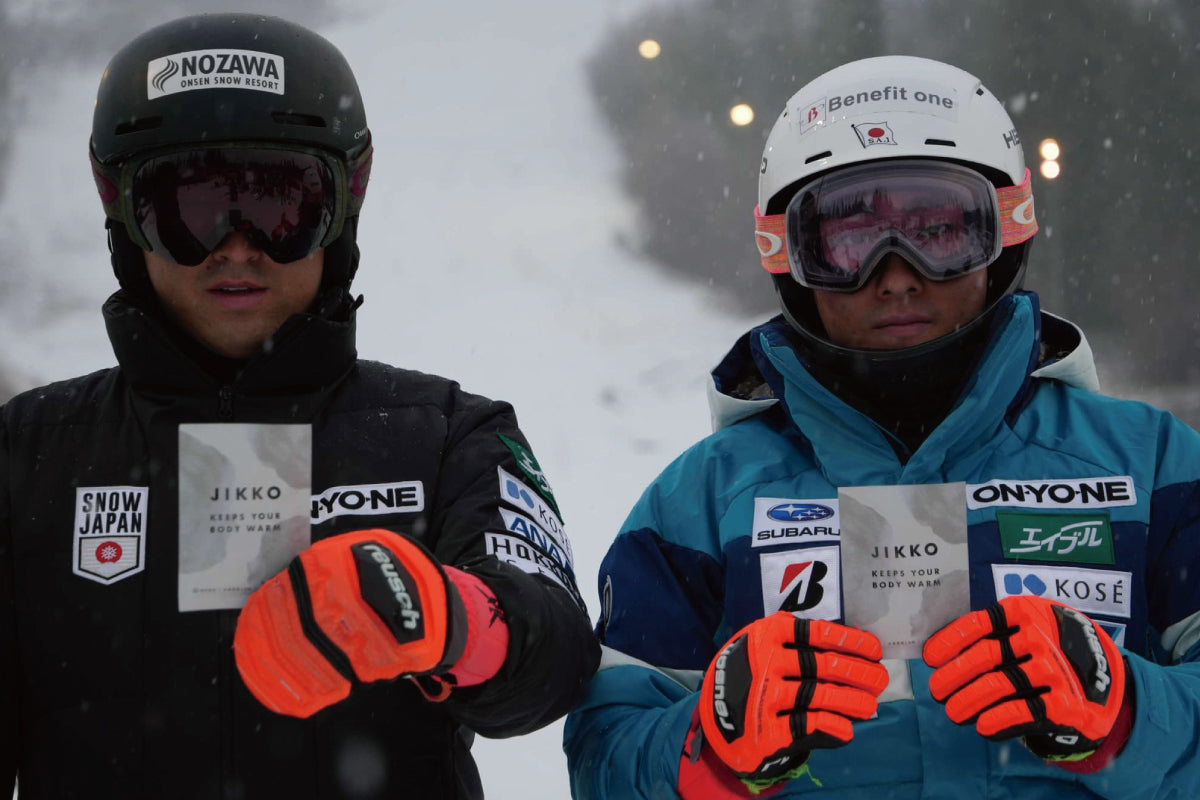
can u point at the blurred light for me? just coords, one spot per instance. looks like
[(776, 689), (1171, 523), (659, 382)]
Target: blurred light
[(649, 49), (741, 114), (1050, 170), (1049, 149)]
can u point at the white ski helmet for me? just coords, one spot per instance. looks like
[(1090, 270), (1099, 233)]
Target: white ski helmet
[(887, 107)]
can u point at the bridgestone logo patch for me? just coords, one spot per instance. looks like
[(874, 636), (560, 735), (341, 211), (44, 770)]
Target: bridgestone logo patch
[(214, 69)]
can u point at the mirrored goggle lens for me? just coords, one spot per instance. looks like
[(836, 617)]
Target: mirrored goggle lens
[(186, 203), (942, 218)]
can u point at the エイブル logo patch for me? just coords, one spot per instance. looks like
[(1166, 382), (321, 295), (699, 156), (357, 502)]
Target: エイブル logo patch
[(110, 532), (532, 469)]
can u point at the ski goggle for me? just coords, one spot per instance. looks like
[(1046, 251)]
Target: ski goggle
[(182, 203), (945, 219)]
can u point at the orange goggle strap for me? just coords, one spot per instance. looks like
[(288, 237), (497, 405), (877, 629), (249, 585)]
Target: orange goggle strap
[(114, 182), (1017, 224)]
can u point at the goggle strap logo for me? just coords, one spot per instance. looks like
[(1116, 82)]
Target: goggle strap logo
[(768, 235), (1017, 224), (1017, 221)]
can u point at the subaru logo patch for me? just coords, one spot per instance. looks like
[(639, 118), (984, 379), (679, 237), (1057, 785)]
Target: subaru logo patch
[(799, 512)]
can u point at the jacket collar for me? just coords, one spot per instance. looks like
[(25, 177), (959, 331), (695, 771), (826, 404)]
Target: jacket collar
[(307, 355), (763, 370)]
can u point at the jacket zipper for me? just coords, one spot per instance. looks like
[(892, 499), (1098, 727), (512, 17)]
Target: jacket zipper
[(225, 403)]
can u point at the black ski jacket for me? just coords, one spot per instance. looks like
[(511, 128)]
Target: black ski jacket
[(108, 690)]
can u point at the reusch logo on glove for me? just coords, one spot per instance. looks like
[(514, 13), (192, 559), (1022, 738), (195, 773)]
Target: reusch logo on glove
[(731, 686), (385, 586), (1078, 639)]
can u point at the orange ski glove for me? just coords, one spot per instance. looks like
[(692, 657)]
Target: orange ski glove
[(365, 606), (783, 686), (1030, 667)]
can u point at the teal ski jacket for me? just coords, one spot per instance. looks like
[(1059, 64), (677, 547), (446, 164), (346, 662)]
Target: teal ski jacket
[(723, 536)]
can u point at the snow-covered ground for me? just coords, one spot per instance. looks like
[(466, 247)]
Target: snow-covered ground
[(491, 254)]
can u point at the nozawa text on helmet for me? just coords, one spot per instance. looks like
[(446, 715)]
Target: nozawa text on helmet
[(890, 93), (230, 64)]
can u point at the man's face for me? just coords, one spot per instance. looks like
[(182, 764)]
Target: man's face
[(899, 307), (237, 297)]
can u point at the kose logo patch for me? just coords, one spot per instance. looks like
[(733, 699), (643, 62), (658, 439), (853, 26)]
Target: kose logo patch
[(1092, 591)]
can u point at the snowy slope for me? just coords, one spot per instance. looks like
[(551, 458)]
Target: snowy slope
[(490, 254)]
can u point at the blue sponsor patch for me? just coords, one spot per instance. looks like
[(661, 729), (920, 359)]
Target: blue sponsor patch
[(799, 512)]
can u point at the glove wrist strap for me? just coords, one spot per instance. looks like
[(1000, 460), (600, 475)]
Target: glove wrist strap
[(487, 631), (703, 776), (1112, 745)]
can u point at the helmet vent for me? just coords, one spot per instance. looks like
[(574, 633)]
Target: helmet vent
[(291, 118), (942, 142), (818, 156), (143, 124)]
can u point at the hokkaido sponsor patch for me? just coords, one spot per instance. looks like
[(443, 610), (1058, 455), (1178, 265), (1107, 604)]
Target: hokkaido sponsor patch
[(806, 581), (527, 558), (1061, 493), (110, 532), (779, 520), (1092, 591), (214, 69)]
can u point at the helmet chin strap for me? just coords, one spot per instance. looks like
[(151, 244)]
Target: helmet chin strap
[(129, 265)]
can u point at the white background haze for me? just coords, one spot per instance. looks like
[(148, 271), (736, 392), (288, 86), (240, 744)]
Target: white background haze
[(494, 242), (491, 241)]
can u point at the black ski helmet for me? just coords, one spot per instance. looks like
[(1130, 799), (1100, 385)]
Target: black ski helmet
[(228, 78)]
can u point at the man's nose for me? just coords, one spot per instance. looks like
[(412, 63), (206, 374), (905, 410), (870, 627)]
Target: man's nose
[(236, 247), (896, 275)]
